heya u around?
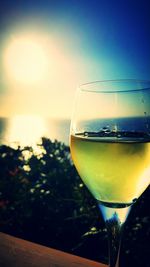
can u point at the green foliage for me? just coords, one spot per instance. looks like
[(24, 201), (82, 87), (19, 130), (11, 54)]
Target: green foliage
[(42, 199)]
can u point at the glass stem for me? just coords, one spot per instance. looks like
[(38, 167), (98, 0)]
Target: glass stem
[(114, 229), (114, 220)]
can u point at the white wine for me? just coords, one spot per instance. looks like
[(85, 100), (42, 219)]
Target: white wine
[(114, 170)]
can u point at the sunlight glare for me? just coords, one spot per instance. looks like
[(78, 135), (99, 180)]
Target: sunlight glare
[(26, 130), (39, 74), (25, 60)]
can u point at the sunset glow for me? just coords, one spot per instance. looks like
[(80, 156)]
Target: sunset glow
[(36, 70), (26, 130), (26, 60)]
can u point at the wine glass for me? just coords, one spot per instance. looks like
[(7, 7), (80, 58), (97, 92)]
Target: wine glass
[(110, 147)]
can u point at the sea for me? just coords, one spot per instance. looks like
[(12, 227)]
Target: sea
[(28, 130)]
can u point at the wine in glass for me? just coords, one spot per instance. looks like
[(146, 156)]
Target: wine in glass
[(110, 147)]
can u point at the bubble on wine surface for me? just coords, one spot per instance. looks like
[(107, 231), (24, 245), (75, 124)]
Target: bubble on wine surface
[(106, 130), (86, 134)]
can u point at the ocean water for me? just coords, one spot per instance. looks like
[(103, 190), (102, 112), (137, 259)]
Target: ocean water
[(28, 130)]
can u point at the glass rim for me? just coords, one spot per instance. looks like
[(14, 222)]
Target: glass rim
[(102, 86)]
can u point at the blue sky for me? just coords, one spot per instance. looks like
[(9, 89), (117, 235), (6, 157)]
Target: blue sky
[(104, 39)]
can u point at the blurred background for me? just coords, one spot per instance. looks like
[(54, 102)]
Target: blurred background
[(48, 48)]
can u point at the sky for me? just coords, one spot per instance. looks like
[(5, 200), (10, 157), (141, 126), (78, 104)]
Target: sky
[(48, 48)]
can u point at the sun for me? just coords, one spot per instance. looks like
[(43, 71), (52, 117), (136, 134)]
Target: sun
[(26, 60)]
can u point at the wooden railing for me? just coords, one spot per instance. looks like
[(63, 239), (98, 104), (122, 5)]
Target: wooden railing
[(15, 252)]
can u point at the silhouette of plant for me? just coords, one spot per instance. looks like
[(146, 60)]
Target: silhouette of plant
[(43, 199)]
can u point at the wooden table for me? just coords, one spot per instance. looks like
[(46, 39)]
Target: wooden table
[(15, 252)]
